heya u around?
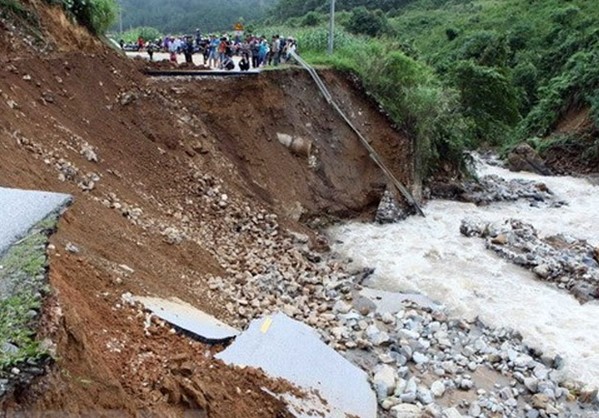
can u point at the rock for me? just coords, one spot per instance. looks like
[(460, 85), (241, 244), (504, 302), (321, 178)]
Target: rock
[(408, 397), (540, 401), (8, 348), (452, 413), (424, 395), (128, 98), (438, 388), (500, 239), (72, 248), (341, 307), (364, 305), (376, 336), (420, 358), (475, 410), (466, 384), (532, 384), (406, 411), (525, 158), (533, 413), (589, 395), (88, 152), (384, 381), (389, 210)]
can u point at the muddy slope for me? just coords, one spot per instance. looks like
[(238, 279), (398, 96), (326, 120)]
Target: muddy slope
[(175, 183)]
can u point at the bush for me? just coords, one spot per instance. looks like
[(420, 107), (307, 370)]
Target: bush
[(487, 48), (96, 15), (451, 34), (145, 32), (364, 21), (311, 19), (489, 98)]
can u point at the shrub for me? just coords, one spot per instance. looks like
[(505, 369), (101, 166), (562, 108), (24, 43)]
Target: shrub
[(488, 97), (311, 19), (95, 15), (145, 32), (451, 34), (364, 21)]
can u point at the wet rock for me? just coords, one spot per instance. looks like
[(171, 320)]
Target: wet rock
[(389, 210), (559, 259), (525, 158)]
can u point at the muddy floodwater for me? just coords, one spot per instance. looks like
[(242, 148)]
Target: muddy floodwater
[(431, 257)]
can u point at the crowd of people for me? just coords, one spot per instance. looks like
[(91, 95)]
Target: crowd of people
[(217, 52)]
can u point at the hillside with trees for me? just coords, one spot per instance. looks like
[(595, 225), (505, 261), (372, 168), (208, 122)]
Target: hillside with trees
[(184, 16), (466, 73)]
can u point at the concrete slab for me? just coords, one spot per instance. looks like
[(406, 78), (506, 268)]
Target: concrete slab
[(20, 210), (288, 349), (392, 302), (189, 318)]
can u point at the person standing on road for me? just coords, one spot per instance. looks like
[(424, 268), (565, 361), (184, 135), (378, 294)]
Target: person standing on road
[(275, 49), (255, 51), (188, 50), (213, 56), (172, 48)]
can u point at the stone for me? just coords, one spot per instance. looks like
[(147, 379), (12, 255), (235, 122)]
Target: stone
[(72, 248), (452, 413), (406, 411), (384, 381), (438, 388), (524, 158), (424, 395), (540, 401), (474, 410), (420, 358), (589, 395), (532, 384), (8, 348), (376, 336), (341, 307)]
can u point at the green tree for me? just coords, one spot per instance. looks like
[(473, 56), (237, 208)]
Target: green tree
[(364, 21)]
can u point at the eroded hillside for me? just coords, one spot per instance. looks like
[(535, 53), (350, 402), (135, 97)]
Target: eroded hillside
[(181, 189)]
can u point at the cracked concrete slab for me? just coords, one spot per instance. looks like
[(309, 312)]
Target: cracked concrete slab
[(20, 210), (189, 318), (288, 349)]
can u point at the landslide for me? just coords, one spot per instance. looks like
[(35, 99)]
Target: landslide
[(175, 182)]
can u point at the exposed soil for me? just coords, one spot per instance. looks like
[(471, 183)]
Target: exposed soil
[(580, 155), (150, 163)]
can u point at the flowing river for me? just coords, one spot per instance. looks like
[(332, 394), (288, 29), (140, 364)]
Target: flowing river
[(431, 257)]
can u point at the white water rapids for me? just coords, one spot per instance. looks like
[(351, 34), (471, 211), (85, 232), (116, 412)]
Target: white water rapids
[(431, 257)]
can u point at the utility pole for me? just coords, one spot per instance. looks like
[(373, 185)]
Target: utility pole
[(332, 28), (121, 19)]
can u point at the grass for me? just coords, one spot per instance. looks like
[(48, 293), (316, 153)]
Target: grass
[(23, 273)]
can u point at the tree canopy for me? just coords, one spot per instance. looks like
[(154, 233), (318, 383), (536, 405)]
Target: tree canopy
[(185, 16)]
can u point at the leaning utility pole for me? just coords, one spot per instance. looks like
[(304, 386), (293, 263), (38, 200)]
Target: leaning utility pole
[(332, 27)]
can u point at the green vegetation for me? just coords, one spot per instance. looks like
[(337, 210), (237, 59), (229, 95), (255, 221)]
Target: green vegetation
[(180, 17), (145, 32), (22, 282), (462, 73), (95, 15)]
